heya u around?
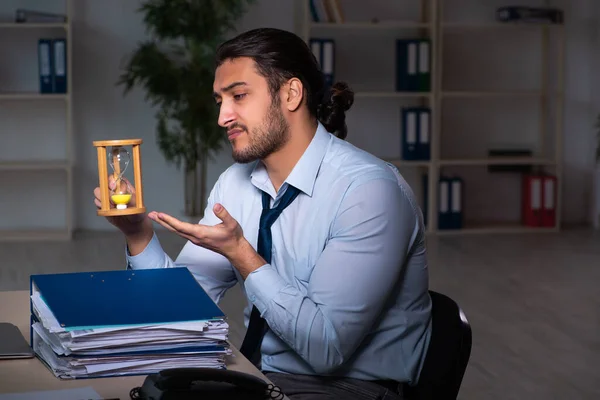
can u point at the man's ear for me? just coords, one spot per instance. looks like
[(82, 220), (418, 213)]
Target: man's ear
[(294, 94)]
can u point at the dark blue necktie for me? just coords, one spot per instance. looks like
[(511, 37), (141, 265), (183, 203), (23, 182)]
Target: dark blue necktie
[(257, 326)]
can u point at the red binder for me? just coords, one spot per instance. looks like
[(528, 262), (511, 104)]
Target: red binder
[(532, 200), (549, 201)]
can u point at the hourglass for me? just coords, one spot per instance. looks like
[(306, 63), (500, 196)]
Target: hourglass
[(123, 199)]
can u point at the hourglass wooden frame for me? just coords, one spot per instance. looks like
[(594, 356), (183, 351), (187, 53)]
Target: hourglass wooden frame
[(105, 208)]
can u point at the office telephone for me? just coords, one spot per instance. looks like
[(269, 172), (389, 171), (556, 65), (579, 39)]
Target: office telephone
[(204, 383)]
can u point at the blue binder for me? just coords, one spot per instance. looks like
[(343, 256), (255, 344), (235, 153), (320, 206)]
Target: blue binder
[(406, 65), (444, 218), (324, 52), (313, 12), (413, 65), (425, 183), (410, 133), (89, 300), (456, 202), (416, 133), (59, 68), (45, 65), (424, 129), (424, 66)]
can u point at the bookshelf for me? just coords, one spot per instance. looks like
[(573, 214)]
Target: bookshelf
[(36, 153), (491, 201)]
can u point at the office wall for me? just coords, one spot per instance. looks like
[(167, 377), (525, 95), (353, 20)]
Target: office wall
[(104, 32)]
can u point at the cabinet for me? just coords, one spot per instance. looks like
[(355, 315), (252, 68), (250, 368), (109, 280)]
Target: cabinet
[(495, 100), (36, 173)]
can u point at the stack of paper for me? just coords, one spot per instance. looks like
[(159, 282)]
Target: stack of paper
[(125, 323)]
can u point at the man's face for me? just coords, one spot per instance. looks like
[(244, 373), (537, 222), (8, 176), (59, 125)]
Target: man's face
[(254, 122)]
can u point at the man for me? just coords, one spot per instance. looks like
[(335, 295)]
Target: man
[(340, 277)]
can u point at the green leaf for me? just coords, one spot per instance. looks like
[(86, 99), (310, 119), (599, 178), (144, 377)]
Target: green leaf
[(175, 68)]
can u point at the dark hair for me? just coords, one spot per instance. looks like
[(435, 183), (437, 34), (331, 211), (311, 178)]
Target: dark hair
[(281, 55)]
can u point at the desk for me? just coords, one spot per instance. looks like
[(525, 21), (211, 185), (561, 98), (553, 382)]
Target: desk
[(31, 375)]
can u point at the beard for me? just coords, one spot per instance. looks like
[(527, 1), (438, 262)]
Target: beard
[(266, 139)]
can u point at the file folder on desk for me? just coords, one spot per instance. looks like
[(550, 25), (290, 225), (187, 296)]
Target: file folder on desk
[(125, 322)]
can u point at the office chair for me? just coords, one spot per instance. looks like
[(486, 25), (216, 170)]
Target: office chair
[(448, 353)]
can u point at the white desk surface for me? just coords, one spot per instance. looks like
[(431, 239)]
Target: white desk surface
[(31, 375)]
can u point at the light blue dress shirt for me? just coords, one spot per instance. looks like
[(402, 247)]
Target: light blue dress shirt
[(346, 292)]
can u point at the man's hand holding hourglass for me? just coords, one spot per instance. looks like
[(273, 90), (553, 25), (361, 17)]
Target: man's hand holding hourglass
[(136, 227)]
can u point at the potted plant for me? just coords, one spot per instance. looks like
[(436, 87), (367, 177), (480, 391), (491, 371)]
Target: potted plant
[(175, 67)]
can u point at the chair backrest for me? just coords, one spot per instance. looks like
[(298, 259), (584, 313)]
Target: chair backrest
[(448, 353)]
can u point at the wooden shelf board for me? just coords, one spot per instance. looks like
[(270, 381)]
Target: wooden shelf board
[(33, 25), (495, 227), (497, 25), (497, 161), (33, 165), (371, 25), (408, 163), (492, 93), (34, 234), (391, 94), (33, 96)]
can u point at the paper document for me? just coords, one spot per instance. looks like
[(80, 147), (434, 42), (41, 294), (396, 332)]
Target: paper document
[(125, 349)]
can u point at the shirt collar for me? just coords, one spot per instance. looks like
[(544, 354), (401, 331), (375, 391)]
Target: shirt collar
[(304, 173)]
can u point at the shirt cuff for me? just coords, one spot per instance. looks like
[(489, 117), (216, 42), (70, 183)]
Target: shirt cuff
[(151, 257), (262, 285)]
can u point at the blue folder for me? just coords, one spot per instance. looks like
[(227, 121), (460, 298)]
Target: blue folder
[(416, 133), (424, 66), (424, 129), (425, 183), (406, 65), (59, 66), (410, 133), (89, 300), (450, 211), (456, 202), (324, 51), (45, 65), (444, 216)]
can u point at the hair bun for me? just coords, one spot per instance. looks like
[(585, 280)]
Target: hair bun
[(342, 96), (332, 110)]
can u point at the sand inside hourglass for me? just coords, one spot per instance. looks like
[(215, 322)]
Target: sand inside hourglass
[(121, 199), (121, 196)]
